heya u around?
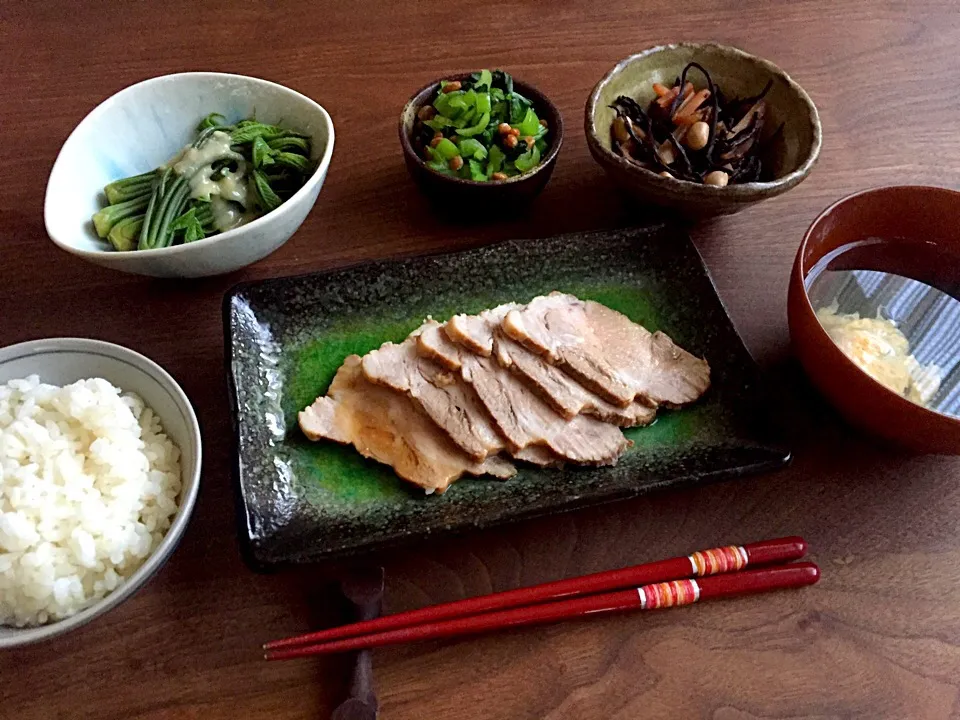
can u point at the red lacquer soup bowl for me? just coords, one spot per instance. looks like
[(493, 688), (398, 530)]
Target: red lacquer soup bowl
[(910, 231)]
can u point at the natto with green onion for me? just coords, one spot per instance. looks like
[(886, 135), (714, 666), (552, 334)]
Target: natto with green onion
[(480, 129)]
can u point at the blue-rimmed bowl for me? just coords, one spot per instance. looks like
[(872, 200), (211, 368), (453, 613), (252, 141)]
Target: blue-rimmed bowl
[(142, 127)]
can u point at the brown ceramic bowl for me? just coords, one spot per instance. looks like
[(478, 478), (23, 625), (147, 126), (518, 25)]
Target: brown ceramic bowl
[(514, 192), (737, 73), (918, 225)]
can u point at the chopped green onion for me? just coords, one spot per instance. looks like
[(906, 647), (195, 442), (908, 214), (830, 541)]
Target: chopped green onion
[(470, 148), (476, 170), (465, 118), (467, 121), (446, 149), (483, 103), (530, 123), (528, 160), (476, 129), (495, 160)]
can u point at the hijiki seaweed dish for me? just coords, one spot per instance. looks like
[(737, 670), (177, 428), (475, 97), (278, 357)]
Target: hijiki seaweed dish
[(697, 135)]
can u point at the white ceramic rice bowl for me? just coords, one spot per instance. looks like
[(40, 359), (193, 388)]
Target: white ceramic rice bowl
[(61, 361), (142, 127)]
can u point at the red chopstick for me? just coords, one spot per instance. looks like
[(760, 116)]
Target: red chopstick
[(674, 593), (699, 564)]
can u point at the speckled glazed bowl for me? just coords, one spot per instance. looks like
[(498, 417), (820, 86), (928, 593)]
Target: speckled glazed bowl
[(513, 193), (918, 227), (737, 73)]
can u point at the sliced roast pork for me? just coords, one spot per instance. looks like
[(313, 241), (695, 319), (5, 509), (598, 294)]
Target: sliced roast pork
[(481, 334), (476, 331), (523, 418), (389, 427), (607, 352), (443, 395)]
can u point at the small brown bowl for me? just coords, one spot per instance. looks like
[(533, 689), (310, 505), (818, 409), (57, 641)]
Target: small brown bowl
[(514, 192), (917, 227), (736, 73)]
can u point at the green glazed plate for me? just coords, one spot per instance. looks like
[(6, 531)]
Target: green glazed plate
[(285, 338)]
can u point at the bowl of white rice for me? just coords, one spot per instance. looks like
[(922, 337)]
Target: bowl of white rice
[(99, 471)]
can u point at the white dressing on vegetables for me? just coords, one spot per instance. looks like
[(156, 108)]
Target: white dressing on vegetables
[(196, 163), (228, 176), (216, 147), (232, 186), (228, 215)]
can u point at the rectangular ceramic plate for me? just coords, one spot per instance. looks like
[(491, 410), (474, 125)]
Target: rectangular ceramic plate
[(285, 339)]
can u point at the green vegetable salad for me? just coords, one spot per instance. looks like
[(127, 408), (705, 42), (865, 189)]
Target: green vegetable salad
[(480, 129), (228, 176)]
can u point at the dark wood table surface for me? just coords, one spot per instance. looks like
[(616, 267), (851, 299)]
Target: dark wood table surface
[(879, 637)]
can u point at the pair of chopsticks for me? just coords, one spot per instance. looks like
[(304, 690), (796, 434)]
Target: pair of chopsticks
[(704, 575)]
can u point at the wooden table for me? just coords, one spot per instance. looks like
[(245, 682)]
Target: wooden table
[(879, 637)]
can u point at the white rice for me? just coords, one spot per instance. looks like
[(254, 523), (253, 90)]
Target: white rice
[(88, 488)]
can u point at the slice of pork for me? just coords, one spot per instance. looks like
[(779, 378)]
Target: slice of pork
[(481, 334), (523, 418), (444, 396), (389, 427), (449, 401), (607, 352)]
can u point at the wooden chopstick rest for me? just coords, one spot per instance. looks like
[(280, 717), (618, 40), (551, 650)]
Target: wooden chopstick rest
[(364, 590)]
